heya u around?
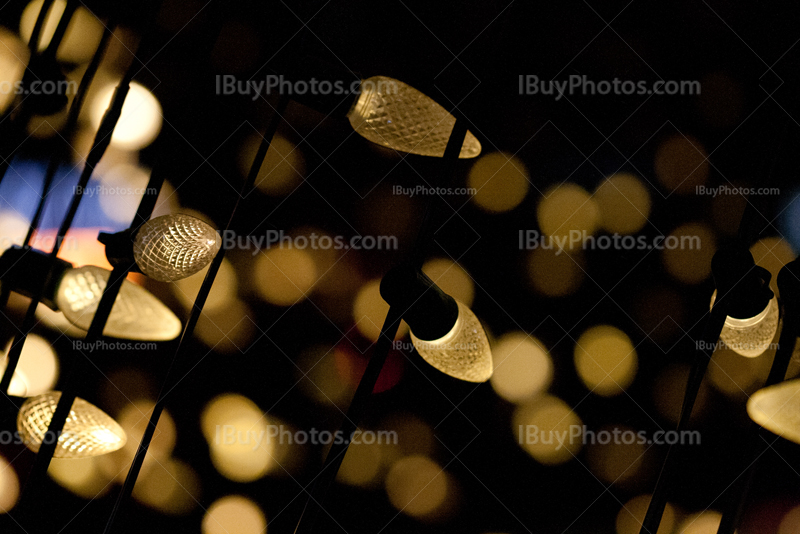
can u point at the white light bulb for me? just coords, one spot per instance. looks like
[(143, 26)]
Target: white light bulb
[(173, 247), (136, 314), (463, 352), (750, 337), (393, 114), (89, 431), (777, 408)]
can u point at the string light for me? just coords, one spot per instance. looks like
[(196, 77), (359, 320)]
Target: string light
[(88, 431)]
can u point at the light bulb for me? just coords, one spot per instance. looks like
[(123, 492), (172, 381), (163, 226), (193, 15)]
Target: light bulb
[(463, 352), (89, 431), (393, 114), (750, 337), (172, 247), (136, 314), (777, 408)]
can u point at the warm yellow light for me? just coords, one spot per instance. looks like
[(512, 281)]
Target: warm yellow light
[(136, 314), (134, 419), (124, 185), (555, 273), (9, 486), (37, 369), (81, 38), (548, 430), (703, 523), (501, 181), (624, 203), (616, 461), (13, 58), (751, 336), (631, 516), (522, 367), (81, 476), (688, 251), (172, 247), (462, 353), (606, 360), (735, 376), (87, 432), (451, 278), (393, 114), (681, 164), (369, 311), (776, 408), (170, 487), (283, 167), (772, 253), (790, 522), (222, 294), (228, 329), (284, 276), (567, 214), (417, 486), (234, 514), (139, 122), (362, 464)]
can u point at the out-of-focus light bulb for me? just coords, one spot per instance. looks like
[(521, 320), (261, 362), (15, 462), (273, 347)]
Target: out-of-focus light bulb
[(88, 431), (750, 337), (136, 314), (777, 408), (140, 121), (463, 352), (173, 247), (393, 114)]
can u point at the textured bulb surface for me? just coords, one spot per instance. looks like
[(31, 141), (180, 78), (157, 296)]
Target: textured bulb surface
[(89, 431), (750, 337), (463, 352), (777, 408), (395, 115), (172, 247), (136, 314)]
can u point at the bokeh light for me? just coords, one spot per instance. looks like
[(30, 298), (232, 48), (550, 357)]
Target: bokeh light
[(568, 214), (706, 522), (501, 182), (282, 169), (775, 408), (234, 514), (624, 203), (362, 464), (82, 476), (81, 38), (13, 58), (9, 486), (284, 276), (681, 164), (554, 272), (417, 486), (451, 278), (606, 360), (227, 329), (548, 430), (139, 122), (631, 516), (171, 487), (522, 367), (772, 253), (37, 369), (737, 376), (688, 251), (369, 312), (615, 460), (319, 378), (222, 294)]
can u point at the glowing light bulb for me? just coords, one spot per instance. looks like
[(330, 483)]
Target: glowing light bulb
[(777, 408), (750, 337), (395, 115), (136, 314), (172, 247), (140, 121), (88, 431), (463, 352)]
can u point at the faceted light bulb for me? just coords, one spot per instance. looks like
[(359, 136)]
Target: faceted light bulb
[(751, 337), (777, 408), (395, 115), (89, 431), (463, 352), (172, 247), (136, 314)]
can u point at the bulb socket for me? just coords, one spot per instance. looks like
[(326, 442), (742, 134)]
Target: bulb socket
[(119, 249), (430, 312), (742, 286), (23, 270)]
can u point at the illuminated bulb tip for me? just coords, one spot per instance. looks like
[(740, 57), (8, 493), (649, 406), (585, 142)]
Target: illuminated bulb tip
[(775, 408), (463, 352), (88, 431), (136, 314), (173, 247), (750, 337), (393, 114)]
